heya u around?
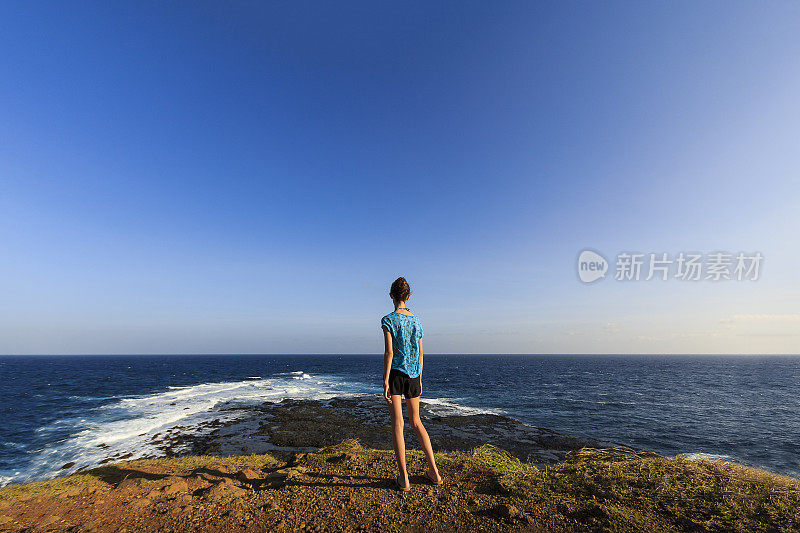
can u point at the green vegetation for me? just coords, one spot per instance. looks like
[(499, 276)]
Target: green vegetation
[(620, 489)]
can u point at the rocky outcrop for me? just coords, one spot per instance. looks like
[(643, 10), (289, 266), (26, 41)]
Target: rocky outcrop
[(305, 425)]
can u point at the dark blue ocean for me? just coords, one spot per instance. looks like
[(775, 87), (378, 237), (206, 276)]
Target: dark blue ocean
[(58, 409)]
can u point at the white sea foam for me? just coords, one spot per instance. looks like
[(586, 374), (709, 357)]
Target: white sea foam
[(449, 407), (706, 456), (127, 426)]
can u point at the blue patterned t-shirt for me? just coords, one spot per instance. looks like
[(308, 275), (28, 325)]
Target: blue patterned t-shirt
[(406, 332)]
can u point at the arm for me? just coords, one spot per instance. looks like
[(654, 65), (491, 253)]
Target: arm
[(420, 363), (388, 354)]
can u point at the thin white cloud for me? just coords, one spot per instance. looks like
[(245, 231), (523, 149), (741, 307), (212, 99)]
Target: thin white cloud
[(762, 318)]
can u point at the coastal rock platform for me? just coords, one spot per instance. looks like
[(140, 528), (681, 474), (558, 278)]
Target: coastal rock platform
[(305, 425)]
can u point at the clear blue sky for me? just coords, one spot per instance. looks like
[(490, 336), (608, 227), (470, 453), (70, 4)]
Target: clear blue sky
[(187, 177)]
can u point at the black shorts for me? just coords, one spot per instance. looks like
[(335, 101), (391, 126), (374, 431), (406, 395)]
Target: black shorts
[(400, 383)]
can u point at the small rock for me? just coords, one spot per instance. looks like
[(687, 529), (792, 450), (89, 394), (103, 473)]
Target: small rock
[(507, 511), (294, 472), (248, 474), (222, 491), (278, 477), (68, 465), (183, 498), (297, 458), (179, 485), (270, 507), (130, 483), (49, 520), (140, 503)]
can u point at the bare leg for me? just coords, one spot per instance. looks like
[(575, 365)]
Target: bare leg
[(396, 409), (422, 436)]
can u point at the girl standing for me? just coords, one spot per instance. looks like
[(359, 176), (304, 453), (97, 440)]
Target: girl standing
[(402, 375)]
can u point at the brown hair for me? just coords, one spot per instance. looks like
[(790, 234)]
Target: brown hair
[(400, 290)]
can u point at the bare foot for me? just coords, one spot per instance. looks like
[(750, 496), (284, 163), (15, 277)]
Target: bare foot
[(402, 484), (433, 476)]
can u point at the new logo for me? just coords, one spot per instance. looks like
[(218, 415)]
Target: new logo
[(591, 266)]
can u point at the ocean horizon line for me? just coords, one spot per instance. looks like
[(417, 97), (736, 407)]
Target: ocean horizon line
[(311, 354)]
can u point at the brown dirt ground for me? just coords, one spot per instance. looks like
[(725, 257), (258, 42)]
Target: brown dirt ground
[(340, 488)]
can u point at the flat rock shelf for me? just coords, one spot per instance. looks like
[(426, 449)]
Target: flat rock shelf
[(305, 425)]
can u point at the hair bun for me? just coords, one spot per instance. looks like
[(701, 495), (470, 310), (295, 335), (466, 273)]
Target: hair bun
[(400, 291)]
